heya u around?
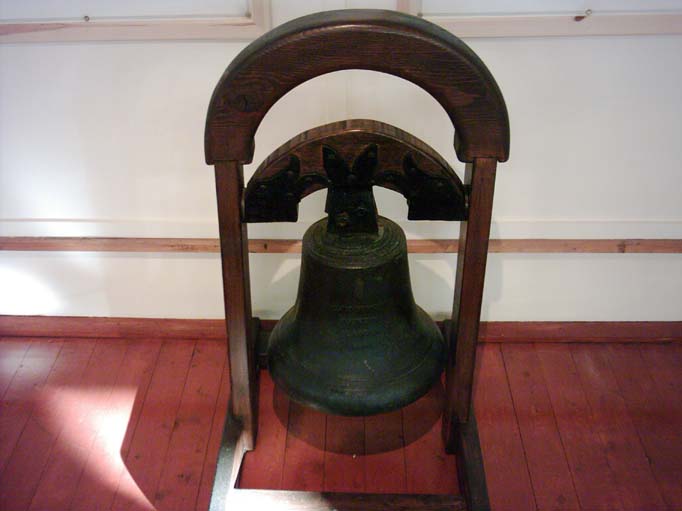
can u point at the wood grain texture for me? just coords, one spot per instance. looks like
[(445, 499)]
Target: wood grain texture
[(595, 483), (429, 468), (647, 378), (385, 463), (420, 52), (292, 246), (462, 337), (28, 429), (303, 457), (504, 458), (214, 441), (59, 479), (402, 163), (36, 367), (146, 456), (264, 466), (104, 467), (153, 329), (229, 182), (344, 455), (624, 451), (178, 488), (547, 465), (12, 353), (649, 411)]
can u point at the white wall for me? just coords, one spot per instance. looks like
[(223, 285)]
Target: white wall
[(106, 139)]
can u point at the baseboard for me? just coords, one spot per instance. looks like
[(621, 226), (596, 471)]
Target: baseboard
[(490, 331)]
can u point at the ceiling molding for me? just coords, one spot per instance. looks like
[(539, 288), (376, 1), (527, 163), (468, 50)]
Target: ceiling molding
[(234, 28), (587, 23)]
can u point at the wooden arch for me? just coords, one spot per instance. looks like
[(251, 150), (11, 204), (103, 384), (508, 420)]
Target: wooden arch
[(384, 41), (441, 64)]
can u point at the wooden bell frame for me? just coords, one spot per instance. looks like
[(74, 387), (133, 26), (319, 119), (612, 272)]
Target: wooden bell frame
[(444, 66)]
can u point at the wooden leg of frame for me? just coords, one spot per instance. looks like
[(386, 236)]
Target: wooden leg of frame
[(237, 295), (470, 471), (466, 315)]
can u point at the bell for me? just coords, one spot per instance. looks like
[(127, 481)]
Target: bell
[(355, 342)]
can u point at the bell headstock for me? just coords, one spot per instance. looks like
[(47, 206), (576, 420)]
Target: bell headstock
[(354, 155)]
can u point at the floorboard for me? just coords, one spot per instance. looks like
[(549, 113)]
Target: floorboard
[(210, 457), (96, 424), (20, 396), (264, 467), (624, 451), (549, 472), (595, 482), (504, 459), (428, 468), (59, 479), (105, 467), (178, 486), (12, 353), (385, 464), (45, 406), (149, 445), (304, 449)]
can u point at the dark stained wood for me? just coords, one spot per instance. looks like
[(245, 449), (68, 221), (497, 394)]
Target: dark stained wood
[(420, 52), (289, 246), (153, 329), (506, 468), (466, 311), (229, 179), (595, 483), (624, 452), (334, 501), (470, 470), (404, 164), (547, 465)]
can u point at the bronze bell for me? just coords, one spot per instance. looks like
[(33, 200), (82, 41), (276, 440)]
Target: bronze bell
[(355, 342)]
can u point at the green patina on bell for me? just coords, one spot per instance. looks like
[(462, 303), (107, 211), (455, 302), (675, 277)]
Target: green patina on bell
[(355, 342)]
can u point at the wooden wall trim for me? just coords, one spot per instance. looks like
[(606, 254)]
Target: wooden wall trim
[(287, 246), (214, 329), (578, 23), (249, 27)]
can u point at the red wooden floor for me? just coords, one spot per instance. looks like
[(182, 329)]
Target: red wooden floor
[(110, 424)]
